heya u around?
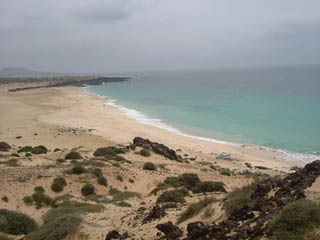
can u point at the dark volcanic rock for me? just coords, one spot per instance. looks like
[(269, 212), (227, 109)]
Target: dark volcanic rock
[(156, 147), (198, 230), (114, 234), (170, 230), (156, 213), (243, 223)]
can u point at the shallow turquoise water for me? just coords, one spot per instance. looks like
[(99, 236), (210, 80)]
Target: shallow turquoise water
[(276, 107)]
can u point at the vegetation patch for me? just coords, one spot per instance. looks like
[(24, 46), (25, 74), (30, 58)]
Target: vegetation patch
[(34, 150), (295, 220), (102, 181), (78, 169), (11, 163), (25, 149), (57, 229), (187, 180), (238, 198), (195, 209), (145, 153), (209, 186), (73, 155), (16, 223), (119, 178), (108, 151), (4, 147), (39, 198), (149, 166), (39, 150), (87, 189), (58, 184), (95, 171), (118, 195), (176, 195)]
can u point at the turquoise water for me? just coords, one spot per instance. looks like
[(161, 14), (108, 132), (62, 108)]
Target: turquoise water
[(277, 108)]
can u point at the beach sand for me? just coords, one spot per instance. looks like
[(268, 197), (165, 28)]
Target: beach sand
[(69, 118)]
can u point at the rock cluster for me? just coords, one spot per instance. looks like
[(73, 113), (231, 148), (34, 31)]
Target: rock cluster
[(250, 221), (156, 147), (156, 213), (170, 230)]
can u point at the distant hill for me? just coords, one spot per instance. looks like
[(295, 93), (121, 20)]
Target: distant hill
[(22, 72), (14, 72)]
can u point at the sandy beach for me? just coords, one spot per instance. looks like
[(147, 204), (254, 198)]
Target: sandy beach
[(69, 118)]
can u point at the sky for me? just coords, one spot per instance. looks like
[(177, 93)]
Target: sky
[(143, 35)]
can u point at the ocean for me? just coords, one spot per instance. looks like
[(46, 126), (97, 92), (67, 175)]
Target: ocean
[(276, 108)]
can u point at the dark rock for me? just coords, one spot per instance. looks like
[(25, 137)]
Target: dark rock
[(156, 147), (156, 213), (199, 231), (170, 230), (114, 234)]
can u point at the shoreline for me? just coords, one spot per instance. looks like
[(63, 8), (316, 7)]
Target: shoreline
[(145, 119), (48, 109)]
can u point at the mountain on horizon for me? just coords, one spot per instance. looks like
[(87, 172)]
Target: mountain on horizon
[(12, 72)]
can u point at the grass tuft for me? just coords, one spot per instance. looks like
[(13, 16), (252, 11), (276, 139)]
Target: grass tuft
[(195, 209)]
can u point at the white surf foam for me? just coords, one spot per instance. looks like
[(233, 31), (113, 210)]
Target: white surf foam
[(142, 118)]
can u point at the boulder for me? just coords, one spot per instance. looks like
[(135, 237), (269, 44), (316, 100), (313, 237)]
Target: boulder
[(170, 230)]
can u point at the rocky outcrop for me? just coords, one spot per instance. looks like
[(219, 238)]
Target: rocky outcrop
[(114, 234), (156, 147), (170, 230), (156, 213), (250, 221)]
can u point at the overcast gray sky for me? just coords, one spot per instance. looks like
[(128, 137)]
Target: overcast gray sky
[(138, 35)]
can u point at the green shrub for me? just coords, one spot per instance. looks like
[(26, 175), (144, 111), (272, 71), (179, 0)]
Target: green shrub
[(195, 209), (39, 189), (149, 166), (28, 154), (39, 150), (131, 180), (60, 160), (16, 223), (225, 172), (41, 199), (119, 178), (102, 181), (176, 195), (144, 153), (116, 164), (58, 184), (169, 205), (56, 229), (15, 155), (73, 155), (238, 198), (28, 200), (25, 149), (4, 147), (96, 171), (107, 151), (77, 170), (295, 220), (209, 186), (118, 195), (11, 163), (87, 189)]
